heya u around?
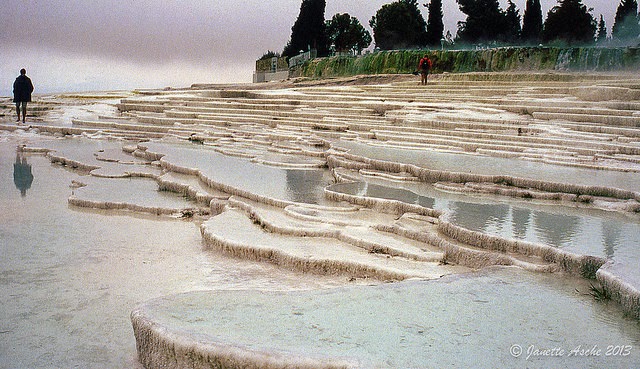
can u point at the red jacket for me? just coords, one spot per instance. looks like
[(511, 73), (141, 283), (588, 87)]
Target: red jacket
[(425, 64)]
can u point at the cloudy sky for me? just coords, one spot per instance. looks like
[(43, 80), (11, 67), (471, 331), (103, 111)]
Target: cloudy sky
[(79, 45)]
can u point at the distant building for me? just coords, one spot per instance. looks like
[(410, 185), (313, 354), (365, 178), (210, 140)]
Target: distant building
[(277, 68), (273, 69)]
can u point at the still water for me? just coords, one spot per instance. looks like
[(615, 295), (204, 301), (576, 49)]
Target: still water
[(296, 185), (579, 229), (496, 318), (71, 277), (475, 164)]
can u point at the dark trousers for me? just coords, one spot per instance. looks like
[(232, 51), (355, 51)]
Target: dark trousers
[(21, 105)]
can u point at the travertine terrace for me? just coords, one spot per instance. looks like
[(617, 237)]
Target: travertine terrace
[(579, 120), (382, 127)]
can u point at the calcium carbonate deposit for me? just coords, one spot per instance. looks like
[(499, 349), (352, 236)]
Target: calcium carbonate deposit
[(484, 220)]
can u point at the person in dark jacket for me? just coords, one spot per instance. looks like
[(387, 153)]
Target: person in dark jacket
[(22, 89)]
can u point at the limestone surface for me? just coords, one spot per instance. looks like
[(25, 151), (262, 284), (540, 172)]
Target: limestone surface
[(371, 182)]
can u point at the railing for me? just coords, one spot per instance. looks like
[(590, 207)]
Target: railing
[(294, 61)]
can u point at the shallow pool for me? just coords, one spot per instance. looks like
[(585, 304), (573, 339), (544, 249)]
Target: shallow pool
[(500, 317)]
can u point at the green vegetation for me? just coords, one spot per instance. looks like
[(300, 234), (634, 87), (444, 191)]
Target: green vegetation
[(626, 27), (435, 24), (569, 23), (399, 25), (309, 30), (269, 54), (485, 22), (492, 60), (532, 23), (599, 293), (347, 34), (601, 36)]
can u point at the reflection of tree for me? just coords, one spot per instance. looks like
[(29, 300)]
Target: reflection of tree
[(520, 221), (555, 229), (611, 232), (399, 194), (22, 176), (304, 185), (367, 189), (477, 217)]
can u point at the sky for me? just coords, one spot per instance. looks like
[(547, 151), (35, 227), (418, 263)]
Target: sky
[(80, 45)]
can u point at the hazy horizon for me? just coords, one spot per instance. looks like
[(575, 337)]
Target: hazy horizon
[(76, 45)]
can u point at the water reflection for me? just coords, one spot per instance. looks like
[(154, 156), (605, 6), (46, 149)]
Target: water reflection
[(302, 185), (611, 236), (520, 219), (549, 228), (480, 217), (556, 229), (494, 166), (384, 192), (594, 233), (299, 185), (22, 176)]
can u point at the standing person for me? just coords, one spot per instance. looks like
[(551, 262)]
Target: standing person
[(22, 89), (424, 67)]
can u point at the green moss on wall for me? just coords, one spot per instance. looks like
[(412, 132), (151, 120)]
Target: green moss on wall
[(489, 60)]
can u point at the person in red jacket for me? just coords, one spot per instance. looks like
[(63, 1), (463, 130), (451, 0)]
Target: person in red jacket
[(22, 89), (424, 67)]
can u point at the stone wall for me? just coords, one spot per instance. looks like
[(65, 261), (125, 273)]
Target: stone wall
[(274, 64), (272, 69)]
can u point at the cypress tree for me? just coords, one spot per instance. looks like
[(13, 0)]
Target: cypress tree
[(308, 30), (513, 23), (602, 31), (435, 25), (626, 22), (569, 22), (532, 22)]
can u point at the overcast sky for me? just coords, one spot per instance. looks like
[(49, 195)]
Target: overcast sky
[(76, 45)]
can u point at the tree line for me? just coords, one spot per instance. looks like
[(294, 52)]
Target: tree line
[(400, 25)]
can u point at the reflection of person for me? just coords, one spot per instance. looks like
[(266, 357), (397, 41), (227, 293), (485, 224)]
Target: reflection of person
[(424, 67), (22, 89), (22, 176)]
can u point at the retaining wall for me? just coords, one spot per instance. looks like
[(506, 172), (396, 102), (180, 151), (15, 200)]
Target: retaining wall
[(487, 60)]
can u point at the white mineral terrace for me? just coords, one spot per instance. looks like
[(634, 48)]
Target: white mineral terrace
[(500, 204)]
